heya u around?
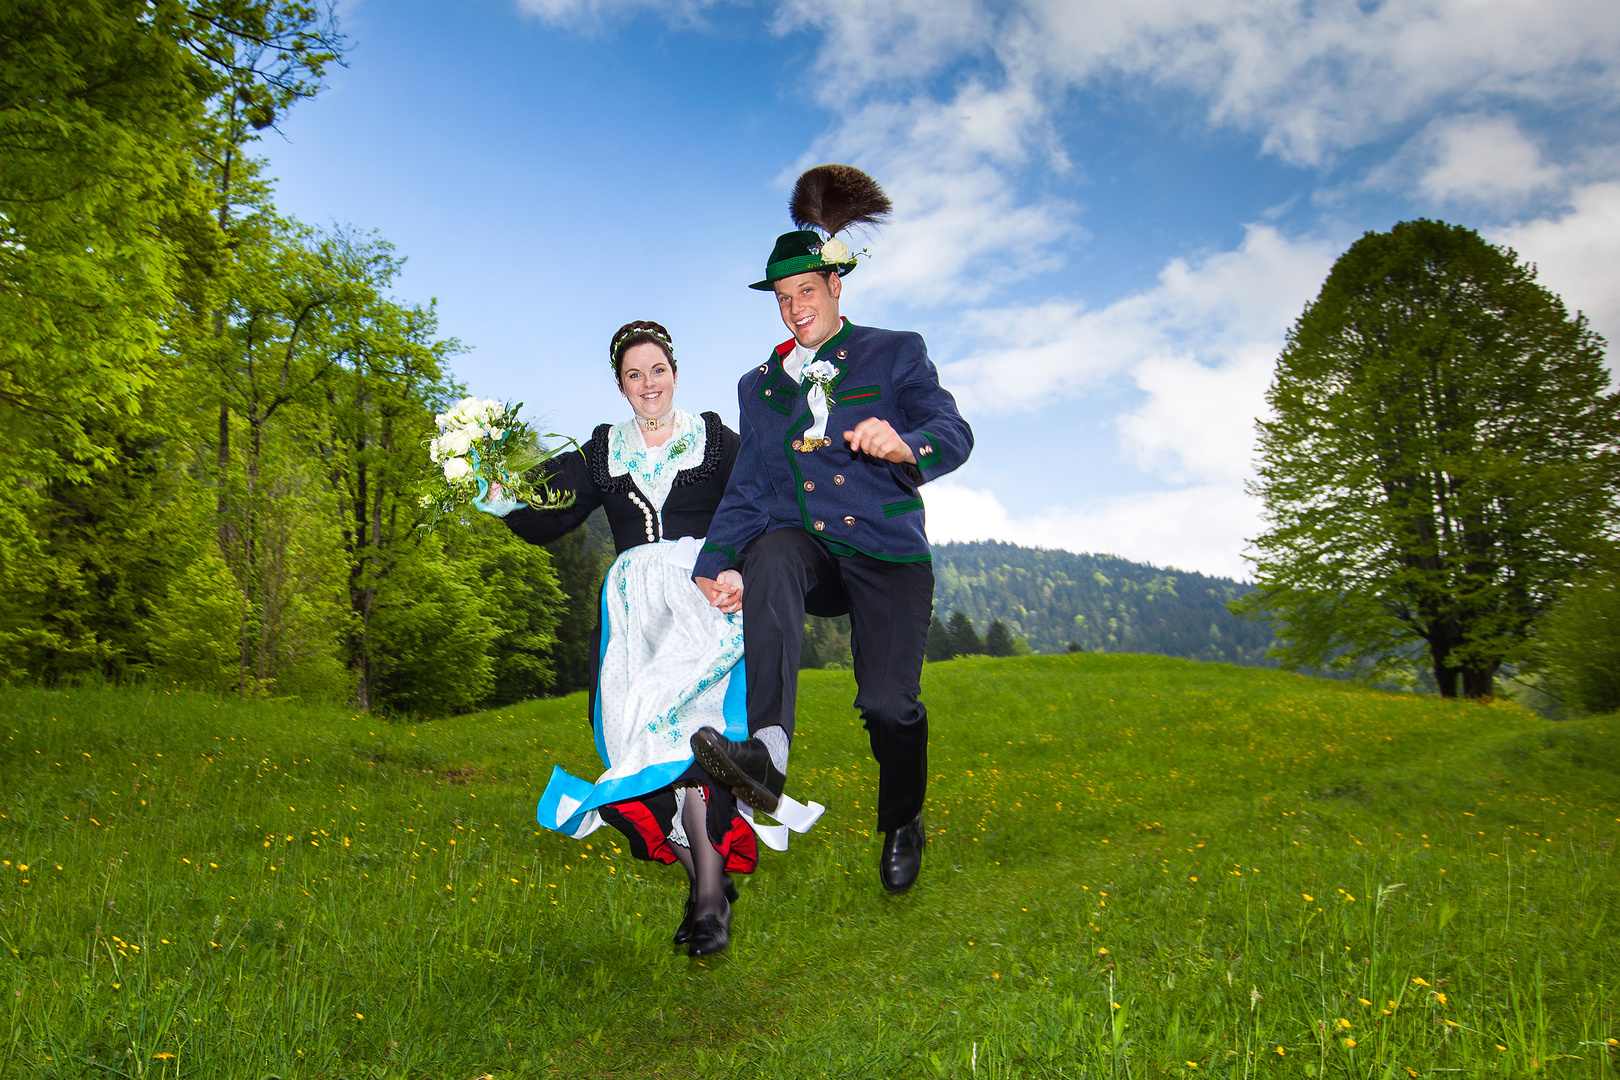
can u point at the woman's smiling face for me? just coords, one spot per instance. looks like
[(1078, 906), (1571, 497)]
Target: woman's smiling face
[(647, 380)]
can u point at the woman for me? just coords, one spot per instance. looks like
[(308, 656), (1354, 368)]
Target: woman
[(667, 662)]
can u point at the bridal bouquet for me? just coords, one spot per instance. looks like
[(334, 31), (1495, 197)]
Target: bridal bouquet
[(483, 446)]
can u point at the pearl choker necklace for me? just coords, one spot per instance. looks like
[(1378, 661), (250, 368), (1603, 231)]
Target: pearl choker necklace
[(655, 424)]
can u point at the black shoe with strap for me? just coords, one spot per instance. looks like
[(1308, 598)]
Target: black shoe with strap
[(744, 767), (901, 859), (683, 933)]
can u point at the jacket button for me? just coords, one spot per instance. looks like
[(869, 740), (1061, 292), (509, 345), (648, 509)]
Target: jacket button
[(763, 368), (767, 393), (843, 354), (849, 521), (809, 485), (839, 479), (820, 525)]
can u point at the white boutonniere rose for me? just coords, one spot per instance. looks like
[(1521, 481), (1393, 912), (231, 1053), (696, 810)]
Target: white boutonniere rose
[(821, 372)]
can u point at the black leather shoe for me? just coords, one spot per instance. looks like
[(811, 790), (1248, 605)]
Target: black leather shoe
[(744, 767), (683, 933), (711, 934), (902, 855)]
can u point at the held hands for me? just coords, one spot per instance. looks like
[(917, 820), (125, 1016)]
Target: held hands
[(724, 592), (879, 439)]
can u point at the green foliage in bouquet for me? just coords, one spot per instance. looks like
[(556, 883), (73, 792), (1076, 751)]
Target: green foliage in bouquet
[(484, 451)]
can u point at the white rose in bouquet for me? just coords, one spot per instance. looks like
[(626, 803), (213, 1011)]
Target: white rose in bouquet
[(483, 441), (457, 442)]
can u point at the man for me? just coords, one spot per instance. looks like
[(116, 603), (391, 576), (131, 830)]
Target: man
[(816, 523)]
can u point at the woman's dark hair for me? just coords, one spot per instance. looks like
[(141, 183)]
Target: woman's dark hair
[(636, 333)]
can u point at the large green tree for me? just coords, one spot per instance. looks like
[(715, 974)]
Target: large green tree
[(1442, 458)]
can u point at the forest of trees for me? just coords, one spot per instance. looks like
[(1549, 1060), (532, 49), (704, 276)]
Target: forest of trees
[(1057, 601), (216, 415)]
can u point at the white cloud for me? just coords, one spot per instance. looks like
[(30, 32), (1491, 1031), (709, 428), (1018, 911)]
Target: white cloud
[(1200, 347), (1310, 76), (1577, 255), (864, 40), (961, 227), (1227, 308), (1481, 159), (1203, 528), (582, 13)]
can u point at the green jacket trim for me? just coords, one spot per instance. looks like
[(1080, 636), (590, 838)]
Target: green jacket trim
[(929, 456), (905, 506), (729, 552), (860, 393)]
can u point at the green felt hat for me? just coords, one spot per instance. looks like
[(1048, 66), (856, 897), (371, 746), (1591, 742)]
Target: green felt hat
[(800, 252)]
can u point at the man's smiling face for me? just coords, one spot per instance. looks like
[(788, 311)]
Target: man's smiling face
[(809, 306)]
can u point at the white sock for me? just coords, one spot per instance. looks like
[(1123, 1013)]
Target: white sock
[(776, 743)]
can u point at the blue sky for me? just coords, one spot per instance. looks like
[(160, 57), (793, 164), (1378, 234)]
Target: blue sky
[(1107, 215)]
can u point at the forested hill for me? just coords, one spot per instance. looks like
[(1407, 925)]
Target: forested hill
[(1100, 603)]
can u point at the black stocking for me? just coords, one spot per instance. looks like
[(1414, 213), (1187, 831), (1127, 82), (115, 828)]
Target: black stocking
[(684, 857), (709, 879)]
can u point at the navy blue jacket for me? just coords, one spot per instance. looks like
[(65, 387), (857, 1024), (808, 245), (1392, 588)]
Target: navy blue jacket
[(853, 503)]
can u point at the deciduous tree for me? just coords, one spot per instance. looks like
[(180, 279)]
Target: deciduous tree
[(1442, 458)]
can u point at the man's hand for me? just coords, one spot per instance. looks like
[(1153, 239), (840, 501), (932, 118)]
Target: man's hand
[(879, 439), (724, 592)]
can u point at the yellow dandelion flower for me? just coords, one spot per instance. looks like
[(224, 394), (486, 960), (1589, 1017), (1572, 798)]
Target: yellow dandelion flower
[(1279, 1051), (1309, 899), (359, 1016), (1351, 1043), (165, 1056), (1102, 952), (1364, 1001), (1342, 1022), (1418, 980), (1499, 1046)]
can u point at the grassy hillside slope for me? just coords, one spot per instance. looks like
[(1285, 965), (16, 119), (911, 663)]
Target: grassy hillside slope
[(1138, 867)]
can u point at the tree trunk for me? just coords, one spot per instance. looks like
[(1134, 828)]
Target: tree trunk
[(1445, 676), (1479, 684)]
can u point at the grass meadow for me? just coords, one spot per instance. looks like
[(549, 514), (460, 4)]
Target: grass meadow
[(1138, 867)]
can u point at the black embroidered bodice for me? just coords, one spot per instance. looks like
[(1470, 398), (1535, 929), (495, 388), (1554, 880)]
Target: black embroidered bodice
[(688, 509)]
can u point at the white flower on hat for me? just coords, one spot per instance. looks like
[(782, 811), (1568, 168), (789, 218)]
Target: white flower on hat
[(835, 251)]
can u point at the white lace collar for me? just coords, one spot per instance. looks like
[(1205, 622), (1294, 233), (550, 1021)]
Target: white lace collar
[(654, 468)]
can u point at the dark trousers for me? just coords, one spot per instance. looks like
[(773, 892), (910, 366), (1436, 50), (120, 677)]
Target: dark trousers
[(788, 573)]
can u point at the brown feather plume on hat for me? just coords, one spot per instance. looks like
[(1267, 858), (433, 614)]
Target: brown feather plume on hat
[(834, 197)]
